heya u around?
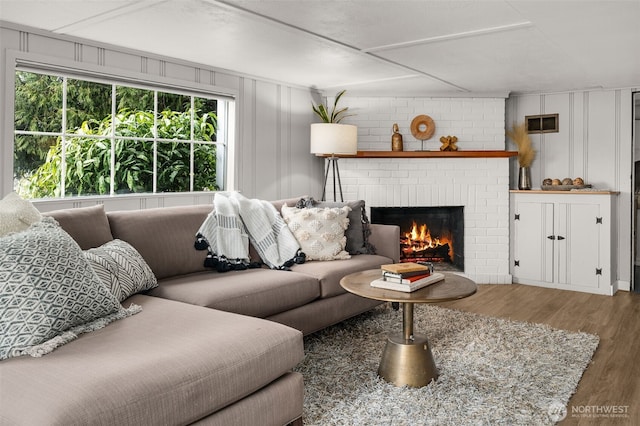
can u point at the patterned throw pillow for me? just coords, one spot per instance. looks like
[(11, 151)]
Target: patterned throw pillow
[(121, 268), (48, 292), (16, 214), (358, 231), (320, 232)]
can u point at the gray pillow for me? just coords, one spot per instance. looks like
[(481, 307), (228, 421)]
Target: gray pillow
[(48, 292), (358, 231), (121, 268), (88, 226)]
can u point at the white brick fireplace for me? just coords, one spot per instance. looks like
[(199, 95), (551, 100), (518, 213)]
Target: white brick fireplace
[(481, 185)]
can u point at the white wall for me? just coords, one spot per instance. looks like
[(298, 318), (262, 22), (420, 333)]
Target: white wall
[(594, 142), (271, 149), (477, 122)]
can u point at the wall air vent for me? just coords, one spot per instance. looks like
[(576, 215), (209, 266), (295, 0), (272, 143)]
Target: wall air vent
[(545, 123)]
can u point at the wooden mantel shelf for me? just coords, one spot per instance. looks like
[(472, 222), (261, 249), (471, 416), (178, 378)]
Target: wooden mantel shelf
[(430, 154)]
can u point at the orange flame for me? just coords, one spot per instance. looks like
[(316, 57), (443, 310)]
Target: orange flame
[(419, 239)]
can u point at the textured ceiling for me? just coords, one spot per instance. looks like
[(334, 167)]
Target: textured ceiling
[(395, 48)]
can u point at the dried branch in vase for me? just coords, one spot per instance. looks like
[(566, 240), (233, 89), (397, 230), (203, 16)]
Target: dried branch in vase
[(526, 153)]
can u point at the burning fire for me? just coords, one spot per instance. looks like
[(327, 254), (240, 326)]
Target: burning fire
[(422, 237), (418, 242)]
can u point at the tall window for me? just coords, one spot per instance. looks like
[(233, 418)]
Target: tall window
[(78, 137)]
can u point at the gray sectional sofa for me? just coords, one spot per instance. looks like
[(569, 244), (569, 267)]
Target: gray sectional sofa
[(207, 348)]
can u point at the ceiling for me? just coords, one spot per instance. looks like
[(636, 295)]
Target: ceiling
[(382, 48)]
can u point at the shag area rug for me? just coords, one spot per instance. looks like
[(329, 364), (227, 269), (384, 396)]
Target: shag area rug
[(492, 371)]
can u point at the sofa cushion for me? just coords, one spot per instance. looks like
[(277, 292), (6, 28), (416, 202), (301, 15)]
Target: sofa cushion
[(121, 268), (278, 404), (330, 277), (48, 292), (171, 364), (16, 214), (320, 232), (358, 231), (255, 292), (165, 237), (88, 226)]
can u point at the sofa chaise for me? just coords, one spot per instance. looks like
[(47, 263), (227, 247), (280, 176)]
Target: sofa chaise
[(207, 348)]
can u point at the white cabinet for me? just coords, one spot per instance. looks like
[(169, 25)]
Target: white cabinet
[(562, 240)]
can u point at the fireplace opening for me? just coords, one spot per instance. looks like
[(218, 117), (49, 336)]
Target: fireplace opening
[(430, 234)]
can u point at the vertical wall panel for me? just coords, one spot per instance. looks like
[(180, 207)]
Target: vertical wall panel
[(266, 146), (577, 123), (601, 139), (302, 164), (284, 141), (555, 148), (246, 139), (625, 208)]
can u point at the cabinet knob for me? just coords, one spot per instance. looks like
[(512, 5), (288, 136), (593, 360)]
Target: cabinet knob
[(551, 237), (560, 238)]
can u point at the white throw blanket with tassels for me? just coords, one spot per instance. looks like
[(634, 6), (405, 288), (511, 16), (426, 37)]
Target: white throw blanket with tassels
[(236, 219)]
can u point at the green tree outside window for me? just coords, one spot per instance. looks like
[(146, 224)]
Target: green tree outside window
[(133, 146)]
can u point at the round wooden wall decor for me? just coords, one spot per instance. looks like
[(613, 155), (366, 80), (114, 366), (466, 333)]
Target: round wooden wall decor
[(422, 127)]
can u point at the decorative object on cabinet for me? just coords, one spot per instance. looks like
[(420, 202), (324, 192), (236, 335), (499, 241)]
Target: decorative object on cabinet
[(566, 184), (545, 123), (422, 128), (526, 154), (396, 139), (524, 178), (449, 143)]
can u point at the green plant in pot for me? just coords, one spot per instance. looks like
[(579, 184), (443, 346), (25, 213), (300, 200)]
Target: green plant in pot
[(335, 115), (330, 137)]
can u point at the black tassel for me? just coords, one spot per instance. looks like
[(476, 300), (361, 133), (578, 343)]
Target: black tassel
[(210, 261), (201, 243)]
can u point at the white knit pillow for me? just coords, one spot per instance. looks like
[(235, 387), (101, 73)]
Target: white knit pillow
[(320, 231), (16, 214)]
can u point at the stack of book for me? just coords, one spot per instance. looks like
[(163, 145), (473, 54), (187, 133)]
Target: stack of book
[(407, 277)]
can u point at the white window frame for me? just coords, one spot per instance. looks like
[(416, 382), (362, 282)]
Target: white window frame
[(225, 137)]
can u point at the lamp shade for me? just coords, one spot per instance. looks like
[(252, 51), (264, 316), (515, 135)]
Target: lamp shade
[(333, 138)]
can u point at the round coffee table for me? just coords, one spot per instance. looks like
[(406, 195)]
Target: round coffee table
[(407, 358)]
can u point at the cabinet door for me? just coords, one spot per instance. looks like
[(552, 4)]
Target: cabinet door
[(533, 250), (578, 244)]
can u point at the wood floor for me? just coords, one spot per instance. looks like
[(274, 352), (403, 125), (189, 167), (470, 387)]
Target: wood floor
[(611, 383)]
